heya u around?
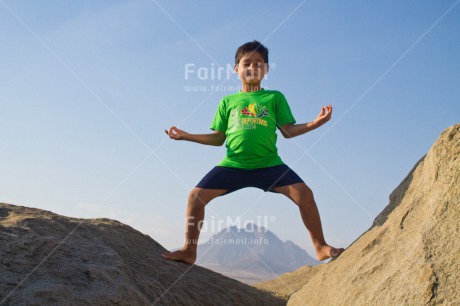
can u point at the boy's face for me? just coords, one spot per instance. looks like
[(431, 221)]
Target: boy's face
[(251, 68)]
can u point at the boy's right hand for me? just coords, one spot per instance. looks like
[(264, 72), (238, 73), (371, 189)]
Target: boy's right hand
[(175, 133)]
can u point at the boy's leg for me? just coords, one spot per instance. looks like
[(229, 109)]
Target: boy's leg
[(303, 196), (197, 200)]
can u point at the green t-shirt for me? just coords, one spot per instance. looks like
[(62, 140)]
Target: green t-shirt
[(249, 120)]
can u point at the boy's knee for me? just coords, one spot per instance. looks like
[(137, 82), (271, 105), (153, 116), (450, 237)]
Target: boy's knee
[(306, 192), (196, 196)]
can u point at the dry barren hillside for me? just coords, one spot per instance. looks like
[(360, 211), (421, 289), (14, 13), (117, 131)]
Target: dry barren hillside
[(411, 254), (48, 259)]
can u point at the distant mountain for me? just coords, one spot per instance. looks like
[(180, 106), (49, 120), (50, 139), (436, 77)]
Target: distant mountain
[(252, 254)]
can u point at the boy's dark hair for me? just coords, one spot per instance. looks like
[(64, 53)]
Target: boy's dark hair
[(250, 47)]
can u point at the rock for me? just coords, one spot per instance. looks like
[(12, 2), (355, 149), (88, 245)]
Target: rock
[(410, 256), (290, 282), (48, 259)]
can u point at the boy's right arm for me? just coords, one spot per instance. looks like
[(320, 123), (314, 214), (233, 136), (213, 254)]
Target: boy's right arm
[(214, 139)]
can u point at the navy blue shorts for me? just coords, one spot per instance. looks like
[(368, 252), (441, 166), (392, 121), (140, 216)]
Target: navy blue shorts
[(232, 179)]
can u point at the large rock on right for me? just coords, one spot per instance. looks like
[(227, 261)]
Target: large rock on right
[(411, 254)]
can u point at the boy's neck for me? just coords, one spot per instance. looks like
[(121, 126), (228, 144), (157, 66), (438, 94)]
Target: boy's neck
[(250, 87)]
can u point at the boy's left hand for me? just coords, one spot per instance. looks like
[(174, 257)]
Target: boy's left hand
[(324, 116)]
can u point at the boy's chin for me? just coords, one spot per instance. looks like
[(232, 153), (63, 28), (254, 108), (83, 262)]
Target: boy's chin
[(252, 81)]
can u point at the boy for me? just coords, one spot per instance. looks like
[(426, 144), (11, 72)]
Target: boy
[(248, 121)]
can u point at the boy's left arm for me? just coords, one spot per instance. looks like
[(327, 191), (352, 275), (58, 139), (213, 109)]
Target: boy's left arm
[(292, 130)]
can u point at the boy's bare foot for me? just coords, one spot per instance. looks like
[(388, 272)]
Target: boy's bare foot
[(189, 257), (327, 251)]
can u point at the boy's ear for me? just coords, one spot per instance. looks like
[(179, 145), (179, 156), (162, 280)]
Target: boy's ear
[(235, 68)]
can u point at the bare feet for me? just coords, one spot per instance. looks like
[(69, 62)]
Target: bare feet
[(327, 251), (189, 257)]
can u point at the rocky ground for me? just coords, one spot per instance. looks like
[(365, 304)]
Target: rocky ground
[(410, 256), (48, 259)]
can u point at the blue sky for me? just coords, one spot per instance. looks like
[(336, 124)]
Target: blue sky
[(88, 88)]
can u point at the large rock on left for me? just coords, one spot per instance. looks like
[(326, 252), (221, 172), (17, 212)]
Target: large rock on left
[(48, 259)]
